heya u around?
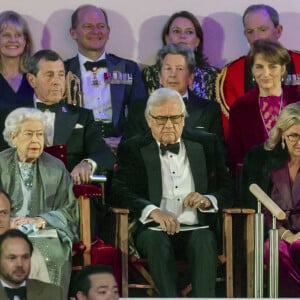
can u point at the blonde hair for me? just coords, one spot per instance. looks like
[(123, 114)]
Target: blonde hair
[(10, 17), (288, 117)]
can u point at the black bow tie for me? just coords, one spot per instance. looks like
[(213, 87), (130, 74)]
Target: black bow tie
[(174, 148), (90, 65), (21, 292), (43, 107)]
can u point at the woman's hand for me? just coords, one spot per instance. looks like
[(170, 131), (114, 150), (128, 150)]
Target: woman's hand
[(291, 237), (39, 222)]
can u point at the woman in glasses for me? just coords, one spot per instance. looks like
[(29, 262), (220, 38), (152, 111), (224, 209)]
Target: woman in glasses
[(275, 167), (253, 116)]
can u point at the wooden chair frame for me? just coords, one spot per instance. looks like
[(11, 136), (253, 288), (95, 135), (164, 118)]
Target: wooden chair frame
[(228, 214)]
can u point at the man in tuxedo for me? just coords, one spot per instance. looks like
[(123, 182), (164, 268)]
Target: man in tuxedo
[(172, 181), (260, 21), (176, 65), (67, 124), (109, 83), (15, 258)]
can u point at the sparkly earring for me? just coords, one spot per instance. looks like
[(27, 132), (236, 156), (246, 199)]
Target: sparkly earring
[(282, 143), (282, 79), (253, 79)]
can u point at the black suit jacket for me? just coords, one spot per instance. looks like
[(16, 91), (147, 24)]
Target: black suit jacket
[(75, 127), (138, 182), (205, 115), (121, 95)]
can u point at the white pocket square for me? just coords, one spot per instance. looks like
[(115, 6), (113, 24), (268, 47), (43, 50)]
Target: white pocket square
[(77, 126)]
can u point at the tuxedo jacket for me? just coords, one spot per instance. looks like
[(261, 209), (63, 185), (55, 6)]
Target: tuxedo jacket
[(204, 115), (235, 79), (246, 124), (75, 127), (138, 180), (122, 95), (37, 290)]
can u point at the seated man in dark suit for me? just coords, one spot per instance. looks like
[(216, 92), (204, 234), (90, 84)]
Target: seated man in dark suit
[(176, 65), (174, 191), (70, 125), (15, 255), (109, 83)]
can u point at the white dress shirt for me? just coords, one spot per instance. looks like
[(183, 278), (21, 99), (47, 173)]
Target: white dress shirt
[(177, 183), (96, 98)]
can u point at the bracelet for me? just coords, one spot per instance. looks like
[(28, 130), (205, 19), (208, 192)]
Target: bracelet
[(284, 234)]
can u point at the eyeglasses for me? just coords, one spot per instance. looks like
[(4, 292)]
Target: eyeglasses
[(293, 137), (28, 134), (162, 120)]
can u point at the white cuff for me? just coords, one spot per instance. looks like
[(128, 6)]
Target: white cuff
[(146, 212), (92, 163), (214, 203)]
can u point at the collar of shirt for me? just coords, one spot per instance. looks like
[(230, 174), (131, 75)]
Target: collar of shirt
[(49, 120), (185, 95), (83, 59), (158, 144), (9, 286)]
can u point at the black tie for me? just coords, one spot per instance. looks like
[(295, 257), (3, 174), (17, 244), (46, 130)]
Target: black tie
[(21, 292), (53, 107), (90, 65), (174, 148), (185, 99)]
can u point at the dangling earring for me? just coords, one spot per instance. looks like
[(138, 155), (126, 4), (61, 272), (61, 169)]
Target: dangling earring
[(253, 79), (282, 143), (282, 79)]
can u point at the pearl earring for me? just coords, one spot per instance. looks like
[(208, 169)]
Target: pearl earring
[(282, 143)]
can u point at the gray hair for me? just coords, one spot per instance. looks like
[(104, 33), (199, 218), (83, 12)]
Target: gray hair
[(271, 11), (16, 118), (161, 96), (288, 117), (176, 49)]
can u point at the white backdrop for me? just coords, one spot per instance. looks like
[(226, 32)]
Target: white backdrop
[(136, 25)]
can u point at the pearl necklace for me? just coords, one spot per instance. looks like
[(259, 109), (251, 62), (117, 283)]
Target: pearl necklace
[(267, 126)]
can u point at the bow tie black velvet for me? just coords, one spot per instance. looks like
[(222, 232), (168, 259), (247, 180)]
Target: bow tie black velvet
[(90, 65), (21, 292), (174, 148), (42, 106)]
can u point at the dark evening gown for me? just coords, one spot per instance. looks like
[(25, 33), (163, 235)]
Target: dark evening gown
[(10, 100)]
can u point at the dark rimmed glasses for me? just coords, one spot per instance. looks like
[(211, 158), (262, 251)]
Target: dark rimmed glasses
[(162, 120), (293, 137)]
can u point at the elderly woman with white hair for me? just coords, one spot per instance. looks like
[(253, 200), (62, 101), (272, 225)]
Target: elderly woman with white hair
[(41, 190)]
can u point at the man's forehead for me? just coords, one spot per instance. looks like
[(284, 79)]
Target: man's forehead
[(257, 18), (50, 64), (4, 202), (15, 246), (171, 105), (89, 12)]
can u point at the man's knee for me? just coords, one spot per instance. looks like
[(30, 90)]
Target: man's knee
[(203, 238)]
